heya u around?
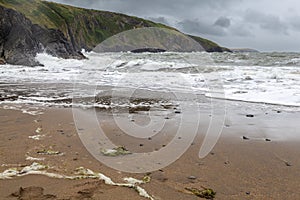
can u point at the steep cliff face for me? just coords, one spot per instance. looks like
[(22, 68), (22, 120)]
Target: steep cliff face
[(84, 28), (28, 26), (16, 45), (20, 40)]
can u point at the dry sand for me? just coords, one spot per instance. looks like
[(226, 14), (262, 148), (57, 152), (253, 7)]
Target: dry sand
[(235, 169)]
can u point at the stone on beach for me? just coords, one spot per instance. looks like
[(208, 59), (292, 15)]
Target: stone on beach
[(192, 177), (118, 151), (245, 138)]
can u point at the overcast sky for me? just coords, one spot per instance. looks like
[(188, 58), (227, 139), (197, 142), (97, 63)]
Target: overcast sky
[(266, 25)]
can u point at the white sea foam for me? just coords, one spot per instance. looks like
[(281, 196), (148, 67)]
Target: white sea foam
[(261, 78)]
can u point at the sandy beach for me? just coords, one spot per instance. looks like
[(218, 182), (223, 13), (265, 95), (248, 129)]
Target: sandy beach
[(237, 168), (180, 101)]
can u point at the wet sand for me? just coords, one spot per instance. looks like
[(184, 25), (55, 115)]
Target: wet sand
[(235, 169)]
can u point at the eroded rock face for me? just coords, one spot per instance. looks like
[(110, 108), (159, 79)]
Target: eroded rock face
[(18, 45), (20, 40)]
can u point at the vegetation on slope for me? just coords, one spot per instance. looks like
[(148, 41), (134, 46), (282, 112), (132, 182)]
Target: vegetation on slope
[(84, 28)]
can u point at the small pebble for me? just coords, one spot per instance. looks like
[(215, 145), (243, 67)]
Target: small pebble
[(162, 179), (268, 140), (61, 132), (141, 145), (192, 177), (288, 164), (247, 193)]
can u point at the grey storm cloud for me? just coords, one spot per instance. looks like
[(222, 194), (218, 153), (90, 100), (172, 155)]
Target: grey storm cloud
[(260, 24), (144, 5), (223, 22), (241, 30), (295, 23), (198, 27), (268, 22), (162, 20), (145, 8)]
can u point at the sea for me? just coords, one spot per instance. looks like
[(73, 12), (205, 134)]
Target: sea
[(112, 80)]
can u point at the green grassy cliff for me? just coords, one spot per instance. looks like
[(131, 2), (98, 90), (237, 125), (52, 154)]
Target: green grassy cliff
[(85, 28)]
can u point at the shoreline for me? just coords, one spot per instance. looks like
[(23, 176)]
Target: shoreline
[(235, 169)]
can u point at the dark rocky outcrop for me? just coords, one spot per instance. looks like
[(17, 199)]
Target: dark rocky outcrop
[(17, 45), (150, 50), (244, 50), (20, 40)]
